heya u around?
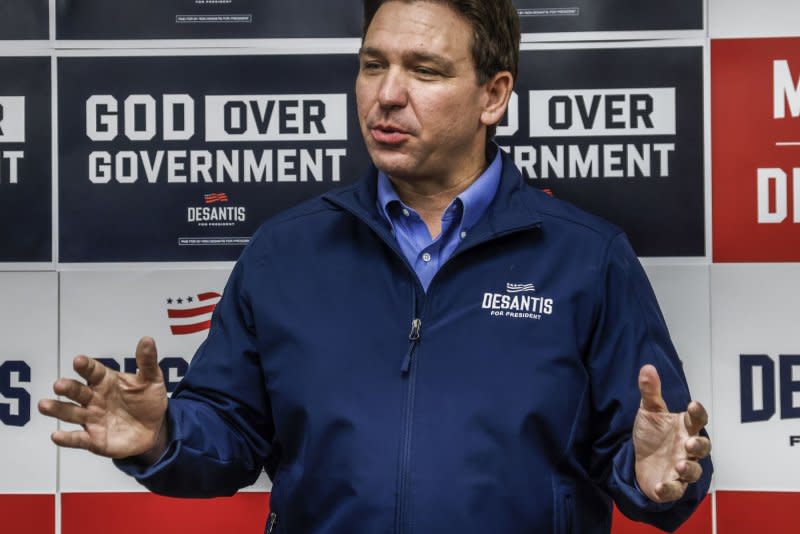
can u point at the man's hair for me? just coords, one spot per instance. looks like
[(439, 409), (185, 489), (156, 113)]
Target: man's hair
[(495, 35)]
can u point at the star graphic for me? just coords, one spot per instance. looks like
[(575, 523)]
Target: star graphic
[(189, 299), (169, 301), (180, 301)]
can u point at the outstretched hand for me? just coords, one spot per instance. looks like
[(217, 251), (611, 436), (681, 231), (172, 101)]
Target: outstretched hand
[(667, 445), (122, 414)]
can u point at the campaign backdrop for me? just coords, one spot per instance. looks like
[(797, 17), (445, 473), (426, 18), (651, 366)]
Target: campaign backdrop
[(28, 368), (746, 18), (683, 293), (546, 16), (25, 160), (204, 19), (238, 19), (756, 361), (619, 132), (158, 161), (24, 19), (756, 149)]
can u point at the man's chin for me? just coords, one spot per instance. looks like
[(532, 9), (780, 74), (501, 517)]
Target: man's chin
[(394, 164)]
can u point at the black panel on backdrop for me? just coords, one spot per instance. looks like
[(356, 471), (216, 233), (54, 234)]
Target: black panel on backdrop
[(181, 158), (25, 160), (619, 132), (24, 19), (205, 19), (237, 19), (543, 16)]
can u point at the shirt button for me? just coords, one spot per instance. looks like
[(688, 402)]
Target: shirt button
[(463, 235), (406, 212), (426, 257)]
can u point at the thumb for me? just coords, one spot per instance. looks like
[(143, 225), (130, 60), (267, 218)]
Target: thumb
[(650, 388), (147, 360)]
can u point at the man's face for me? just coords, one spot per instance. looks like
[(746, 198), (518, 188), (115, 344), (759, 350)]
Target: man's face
[(419, 102)]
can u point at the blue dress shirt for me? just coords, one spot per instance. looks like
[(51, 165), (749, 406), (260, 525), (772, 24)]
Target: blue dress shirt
[(425, 254)]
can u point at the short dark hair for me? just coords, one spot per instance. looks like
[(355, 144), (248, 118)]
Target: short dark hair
[(495, 37)]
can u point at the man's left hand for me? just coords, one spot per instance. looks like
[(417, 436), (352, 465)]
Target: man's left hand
[(667, 445)]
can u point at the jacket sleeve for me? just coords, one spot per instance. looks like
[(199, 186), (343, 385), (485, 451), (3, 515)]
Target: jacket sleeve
[(219, 416), (631, 332)]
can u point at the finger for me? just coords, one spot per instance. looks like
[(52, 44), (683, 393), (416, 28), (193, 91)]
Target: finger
[(90, 369), (147, 360), (650, 388), (695, 418), (64, 411), (689, 471), (698, 447), (77, 439), (670, 491), (73, 390)]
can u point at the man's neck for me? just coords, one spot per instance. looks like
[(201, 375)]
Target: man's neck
[(430, 198)]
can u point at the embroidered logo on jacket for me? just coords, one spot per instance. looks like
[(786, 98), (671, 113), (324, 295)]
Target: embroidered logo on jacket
[(517, 303)]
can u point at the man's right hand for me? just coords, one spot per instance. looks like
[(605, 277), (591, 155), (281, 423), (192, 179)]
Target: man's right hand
[(122, 414)]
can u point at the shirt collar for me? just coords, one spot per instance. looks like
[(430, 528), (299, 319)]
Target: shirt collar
[(474, 200)]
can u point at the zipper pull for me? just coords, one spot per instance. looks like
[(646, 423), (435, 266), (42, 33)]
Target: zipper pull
[(413, 337), (273, 518)]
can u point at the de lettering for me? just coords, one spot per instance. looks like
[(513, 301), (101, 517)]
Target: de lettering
[(757, 371), (173, 368)]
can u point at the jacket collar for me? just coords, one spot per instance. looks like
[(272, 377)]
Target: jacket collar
[(513, 208)]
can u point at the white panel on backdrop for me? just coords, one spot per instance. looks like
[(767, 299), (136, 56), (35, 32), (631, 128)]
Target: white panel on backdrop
[(28, 368), (683, 294), (756, 360), (749, 18), (103, 315)]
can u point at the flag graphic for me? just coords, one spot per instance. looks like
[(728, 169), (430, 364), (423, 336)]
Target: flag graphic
[(519, 288), (211, 198), (190, 315)]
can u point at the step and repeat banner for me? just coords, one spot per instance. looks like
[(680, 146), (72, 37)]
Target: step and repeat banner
[(212, 155), (206, 19), (623, 139), (559, 16), (25, 159), (24, 20), (142, 144)]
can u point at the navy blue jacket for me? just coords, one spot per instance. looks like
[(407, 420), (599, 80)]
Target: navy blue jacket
[(501, 401)]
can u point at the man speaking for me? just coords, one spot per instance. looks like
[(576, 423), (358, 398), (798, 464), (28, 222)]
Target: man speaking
[(439, 348)]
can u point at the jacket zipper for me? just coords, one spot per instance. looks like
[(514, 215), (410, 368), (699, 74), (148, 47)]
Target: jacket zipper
[(413, 337), (408, 369), (273, 518)]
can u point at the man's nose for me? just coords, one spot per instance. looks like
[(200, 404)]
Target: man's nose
[(393, 91)]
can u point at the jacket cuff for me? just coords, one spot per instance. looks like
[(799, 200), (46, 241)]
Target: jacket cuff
[(134, 467), (623, 480)]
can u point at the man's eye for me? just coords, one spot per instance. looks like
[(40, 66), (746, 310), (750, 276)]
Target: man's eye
[(425, 71), (370, 66)]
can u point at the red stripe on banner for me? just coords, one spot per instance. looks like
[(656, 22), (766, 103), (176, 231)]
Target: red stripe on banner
[(138, 513), (699, 523), (209, 295), (182, 329), (191, 312), (31, 514), (745, 512)]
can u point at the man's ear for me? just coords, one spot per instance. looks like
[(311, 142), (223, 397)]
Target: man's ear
[(497, 92)]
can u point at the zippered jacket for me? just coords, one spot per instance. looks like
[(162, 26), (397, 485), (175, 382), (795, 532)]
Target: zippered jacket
[(501, 401)]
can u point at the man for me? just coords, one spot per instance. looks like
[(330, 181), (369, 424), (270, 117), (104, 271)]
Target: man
[(439, 348)]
